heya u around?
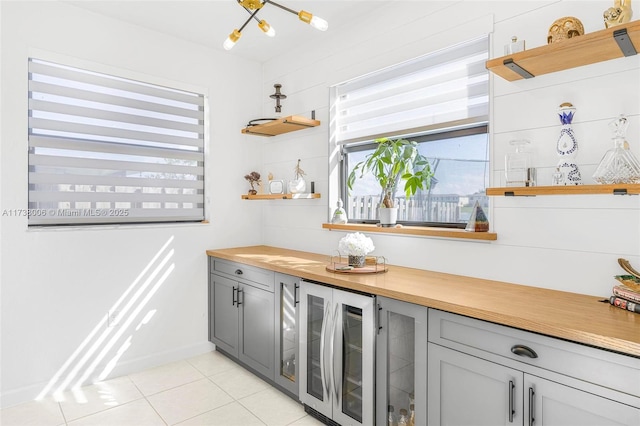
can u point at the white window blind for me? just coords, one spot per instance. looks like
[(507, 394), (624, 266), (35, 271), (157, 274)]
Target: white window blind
[(447, 89), (104, 149)]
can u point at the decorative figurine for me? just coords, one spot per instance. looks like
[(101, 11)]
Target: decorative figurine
[(340, 215), (564, 28), (620, 13), (253, 178), (478, 221), (567, 147)]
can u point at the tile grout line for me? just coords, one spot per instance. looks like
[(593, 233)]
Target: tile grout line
[(147, 400)]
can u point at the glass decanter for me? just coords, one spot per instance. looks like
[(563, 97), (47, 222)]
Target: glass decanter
[(517, 165), (567, 147), (618, 165)]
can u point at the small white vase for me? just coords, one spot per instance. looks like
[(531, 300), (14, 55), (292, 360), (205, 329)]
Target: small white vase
[(297, 186), (388, 216)]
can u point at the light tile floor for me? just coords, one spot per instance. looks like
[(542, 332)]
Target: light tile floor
[(209, 389)]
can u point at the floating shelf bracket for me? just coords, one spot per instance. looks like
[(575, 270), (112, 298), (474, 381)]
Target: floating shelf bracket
[(624, 42), (517, 68), (620, 191), (513, 194)]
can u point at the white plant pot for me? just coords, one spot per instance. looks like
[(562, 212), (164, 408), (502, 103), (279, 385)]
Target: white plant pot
[(297, 186), (388, 215)]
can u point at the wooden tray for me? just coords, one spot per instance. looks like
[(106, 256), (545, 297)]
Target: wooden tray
[(373, 265)]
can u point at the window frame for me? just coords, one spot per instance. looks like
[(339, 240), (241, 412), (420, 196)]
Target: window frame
[(419, 138)]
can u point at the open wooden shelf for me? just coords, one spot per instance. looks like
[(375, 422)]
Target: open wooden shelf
[(421, 231), (280, 196), (616, 189), (598, 46), (281, 125)]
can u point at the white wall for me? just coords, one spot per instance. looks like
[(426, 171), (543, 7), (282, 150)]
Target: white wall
[(57, 285), (561, 242)]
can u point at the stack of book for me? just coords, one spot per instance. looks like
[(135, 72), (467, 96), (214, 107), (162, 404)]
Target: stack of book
[(626, 295)]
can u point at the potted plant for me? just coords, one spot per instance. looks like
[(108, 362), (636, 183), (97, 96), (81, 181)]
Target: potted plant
[(394, 160)]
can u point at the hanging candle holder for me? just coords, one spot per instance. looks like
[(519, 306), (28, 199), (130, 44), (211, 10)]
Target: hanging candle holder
[(567, 148), (618, 165)]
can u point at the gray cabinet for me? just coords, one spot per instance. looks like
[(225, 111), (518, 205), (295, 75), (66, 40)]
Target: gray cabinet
[(486, 374), (286, 319), (401, 360), (465, 390), (241, 314)]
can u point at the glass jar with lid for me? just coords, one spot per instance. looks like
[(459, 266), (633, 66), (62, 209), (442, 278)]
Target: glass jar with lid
[(518, 166)]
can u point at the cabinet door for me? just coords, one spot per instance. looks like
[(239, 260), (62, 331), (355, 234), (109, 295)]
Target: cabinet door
[(401, 360), (465, 390), (549, 403), (286, 342), (223, 313), (256, 329)]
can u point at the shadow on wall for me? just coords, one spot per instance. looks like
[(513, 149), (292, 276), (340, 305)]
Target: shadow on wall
[(113, 335)]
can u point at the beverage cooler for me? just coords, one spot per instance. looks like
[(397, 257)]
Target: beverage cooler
[(337, 347)]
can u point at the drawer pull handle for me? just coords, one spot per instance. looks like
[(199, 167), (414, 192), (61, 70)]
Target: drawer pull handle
[(532, 418), (512, 410), (522, 350), (238, 271)]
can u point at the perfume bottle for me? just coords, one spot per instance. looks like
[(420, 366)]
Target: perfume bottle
[(518, 165), (618, 165), (514, 47)]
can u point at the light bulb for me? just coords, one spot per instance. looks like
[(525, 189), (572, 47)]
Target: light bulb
[(319, 23), (231, 40), (314, 21), (266, 28)]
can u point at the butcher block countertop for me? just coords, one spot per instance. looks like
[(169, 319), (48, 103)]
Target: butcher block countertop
[(571, 316)]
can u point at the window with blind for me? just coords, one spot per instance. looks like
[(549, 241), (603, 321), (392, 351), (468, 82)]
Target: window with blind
[(441, 101), (110, 150)]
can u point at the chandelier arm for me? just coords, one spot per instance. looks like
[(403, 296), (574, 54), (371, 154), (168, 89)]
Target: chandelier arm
[(281, 6), (253, 14), (248, 20)]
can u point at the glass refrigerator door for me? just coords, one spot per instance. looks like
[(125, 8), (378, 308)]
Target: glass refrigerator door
[(353, 340), (315, 326), (352, 364)]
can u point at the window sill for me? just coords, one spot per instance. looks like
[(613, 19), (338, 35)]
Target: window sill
[(419, 231)]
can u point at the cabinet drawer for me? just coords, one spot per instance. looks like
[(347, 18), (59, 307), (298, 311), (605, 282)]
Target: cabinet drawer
[(493, 341), (261, 278)]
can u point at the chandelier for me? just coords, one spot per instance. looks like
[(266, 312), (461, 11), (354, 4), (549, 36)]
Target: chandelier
[(253, 6)]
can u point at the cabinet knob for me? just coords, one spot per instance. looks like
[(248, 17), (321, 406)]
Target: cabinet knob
[(238, 271), (522, 350)]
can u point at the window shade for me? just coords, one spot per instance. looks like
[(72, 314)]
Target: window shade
[(104, 149), (446, 89)]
